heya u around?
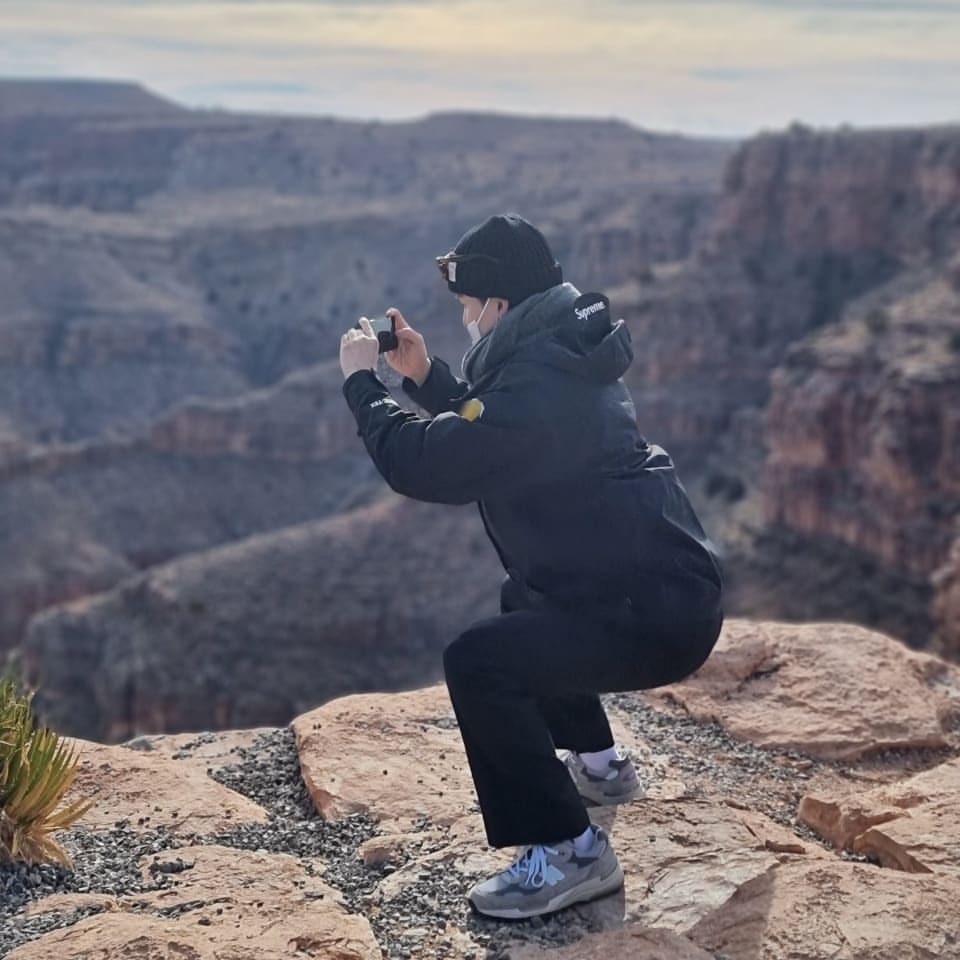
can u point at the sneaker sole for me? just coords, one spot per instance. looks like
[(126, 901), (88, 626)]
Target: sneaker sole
[(607, 801), (583, 893)]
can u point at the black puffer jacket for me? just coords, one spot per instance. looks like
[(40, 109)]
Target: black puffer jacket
[(579, 506)]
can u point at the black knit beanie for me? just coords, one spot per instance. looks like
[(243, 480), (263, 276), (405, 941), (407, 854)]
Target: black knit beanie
[(515, 261)]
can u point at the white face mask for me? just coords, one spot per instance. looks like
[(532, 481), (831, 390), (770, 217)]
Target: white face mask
[(473, 328)]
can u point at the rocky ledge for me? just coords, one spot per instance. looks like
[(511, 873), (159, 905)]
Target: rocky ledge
[(802, 794)]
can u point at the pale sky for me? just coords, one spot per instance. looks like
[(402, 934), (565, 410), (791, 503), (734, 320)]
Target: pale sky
[(695, 66)]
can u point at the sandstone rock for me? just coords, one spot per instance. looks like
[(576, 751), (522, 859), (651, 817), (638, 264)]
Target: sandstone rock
[(425, 773), (910, 825), (686, 858), (237, 903), (835, 691), (634, 942), (379, 850), (808, 911), (712, 847), (692, 855), (770, 835), (704, 874), (68, 902), (150, 791), (207, 752), (682, 861)]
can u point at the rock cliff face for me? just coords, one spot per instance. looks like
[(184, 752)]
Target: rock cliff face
[(254, 631), (863, 429), (863, 422), (874, 195), (946, 583), (800, 797), (805, 363), (90, 342), (172, 387), (66, 98), (77, 518), (808, 222), (168, 278), (202, 254)]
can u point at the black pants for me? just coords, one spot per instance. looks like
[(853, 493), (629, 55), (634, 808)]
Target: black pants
[(525, 683)]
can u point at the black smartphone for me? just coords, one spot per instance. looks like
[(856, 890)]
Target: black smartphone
[(386, 330)]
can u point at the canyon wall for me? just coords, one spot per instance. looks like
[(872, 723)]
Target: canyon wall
[(174, 284), (805, 364), (173, 288), (264, 627)]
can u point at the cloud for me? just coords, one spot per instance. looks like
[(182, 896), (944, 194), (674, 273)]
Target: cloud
[(918, 8), (914, 7), (724, 74), (712, 67), (285, 89)]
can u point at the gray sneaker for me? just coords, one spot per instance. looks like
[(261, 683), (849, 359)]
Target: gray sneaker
[(619, 784), (548, 877)]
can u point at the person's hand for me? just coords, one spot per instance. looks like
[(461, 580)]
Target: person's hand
[(359, 349), (410, 358)]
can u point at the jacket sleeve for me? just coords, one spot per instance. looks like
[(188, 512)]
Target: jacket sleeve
[(439, 392), (449, 459)]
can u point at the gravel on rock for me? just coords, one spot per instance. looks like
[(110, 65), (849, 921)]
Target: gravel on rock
[(268, 772), (105, 861)]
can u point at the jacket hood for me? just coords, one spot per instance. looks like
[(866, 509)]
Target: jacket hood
[(545, 328)]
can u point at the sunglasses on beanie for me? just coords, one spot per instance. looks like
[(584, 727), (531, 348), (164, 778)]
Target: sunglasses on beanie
[(448, 263)]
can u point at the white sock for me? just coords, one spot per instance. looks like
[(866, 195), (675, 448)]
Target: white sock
[(599, 761), (584, 843)]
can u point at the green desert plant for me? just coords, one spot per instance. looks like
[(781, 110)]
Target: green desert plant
[(36, 769)]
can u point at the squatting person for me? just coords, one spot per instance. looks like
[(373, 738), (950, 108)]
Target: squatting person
[(611, 582)]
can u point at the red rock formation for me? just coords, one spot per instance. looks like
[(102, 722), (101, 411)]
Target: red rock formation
[(946, 605), (791, 687), (891, 194), (863, 431), (906, 826), (863, 434), (807, 222), (824, 296)]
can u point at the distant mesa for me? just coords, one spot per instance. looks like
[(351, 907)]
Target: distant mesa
[(24, 97)]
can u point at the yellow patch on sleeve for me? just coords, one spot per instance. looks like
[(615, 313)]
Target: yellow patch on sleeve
[(472, 409)]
